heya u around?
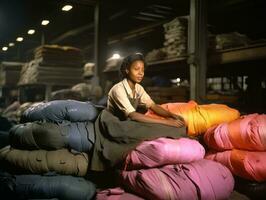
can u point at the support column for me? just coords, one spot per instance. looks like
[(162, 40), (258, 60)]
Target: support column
[(100, 41), (197, 49)]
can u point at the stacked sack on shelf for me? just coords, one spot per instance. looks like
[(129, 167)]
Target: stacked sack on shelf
[(175, 34), (240, 145), (53, 64), (175, 41), (171, 169), (198, 118), (53, 142)]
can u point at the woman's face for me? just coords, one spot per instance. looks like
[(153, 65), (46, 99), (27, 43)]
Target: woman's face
[(136, 71)]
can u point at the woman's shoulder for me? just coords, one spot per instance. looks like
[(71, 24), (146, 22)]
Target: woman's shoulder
[(118, 86)]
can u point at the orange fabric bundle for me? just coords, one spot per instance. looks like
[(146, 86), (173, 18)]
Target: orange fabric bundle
[(199, 118), (246, 164), (247, 133)]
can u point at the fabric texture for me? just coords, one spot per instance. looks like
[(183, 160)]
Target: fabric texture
[(246, 164), (199, 118), (119, 98), (46, 187), (198, 180), (115, 138), (164, 151), (40, 161), (60, 110), (246, 133), (50, 136)]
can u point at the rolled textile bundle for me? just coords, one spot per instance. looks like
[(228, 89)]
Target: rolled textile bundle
[(199, 118), (60, 110), (198, 180), (246, 133), (50, 136), (46, 187), (115, 139), (164, 151), (41, 161), (246, 164)]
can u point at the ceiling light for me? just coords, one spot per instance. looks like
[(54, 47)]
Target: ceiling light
[(116, 56), (11, 44), (45, 22), (19, 39), (5, 48), (31, 31), (67, 8)]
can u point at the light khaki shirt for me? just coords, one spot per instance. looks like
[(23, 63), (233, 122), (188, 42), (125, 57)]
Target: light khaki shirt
[(122, 102)]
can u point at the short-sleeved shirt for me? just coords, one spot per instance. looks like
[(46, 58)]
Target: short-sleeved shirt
[(121, 101)]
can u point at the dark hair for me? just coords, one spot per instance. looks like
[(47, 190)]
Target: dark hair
[(127, 62)]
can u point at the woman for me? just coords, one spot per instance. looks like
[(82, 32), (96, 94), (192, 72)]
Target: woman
[(127, 95)]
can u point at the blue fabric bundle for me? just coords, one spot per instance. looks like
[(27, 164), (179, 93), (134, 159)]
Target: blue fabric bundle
[(61, 110), (45, 187)]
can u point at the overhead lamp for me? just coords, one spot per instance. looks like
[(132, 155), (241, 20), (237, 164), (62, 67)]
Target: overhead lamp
[(5, 48), (67, 8), (31, 31), (45, 22), (19, 39), (116, 56), (11, 44)]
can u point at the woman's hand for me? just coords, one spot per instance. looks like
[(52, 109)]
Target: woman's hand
[(175, 122), (178, 118)]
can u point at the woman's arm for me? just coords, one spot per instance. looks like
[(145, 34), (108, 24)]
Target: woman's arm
[(164, 113), (143, 118)]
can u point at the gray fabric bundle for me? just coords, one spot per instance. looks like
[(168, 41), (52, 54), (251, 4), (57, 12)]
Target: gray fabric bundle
[(50, 136), (115, 138)]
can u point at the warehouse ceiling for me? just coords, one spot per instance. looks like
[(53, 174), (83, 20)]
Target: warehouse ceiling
[(75, 27)]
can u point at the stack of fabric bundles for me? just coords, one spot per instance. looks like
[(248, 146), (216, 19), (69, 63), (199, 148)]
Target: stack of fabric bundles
[(240, 145), (52, 64), (58, 55), (53, 142), (175, 33), (175, 43), (171, 169)]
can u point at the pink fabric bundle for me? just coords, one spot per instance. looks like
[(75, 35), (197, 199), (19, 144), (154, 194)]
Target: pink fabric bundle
[(198, 180), (247, 164), (116, 194), (164, 151), (247, 133)]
